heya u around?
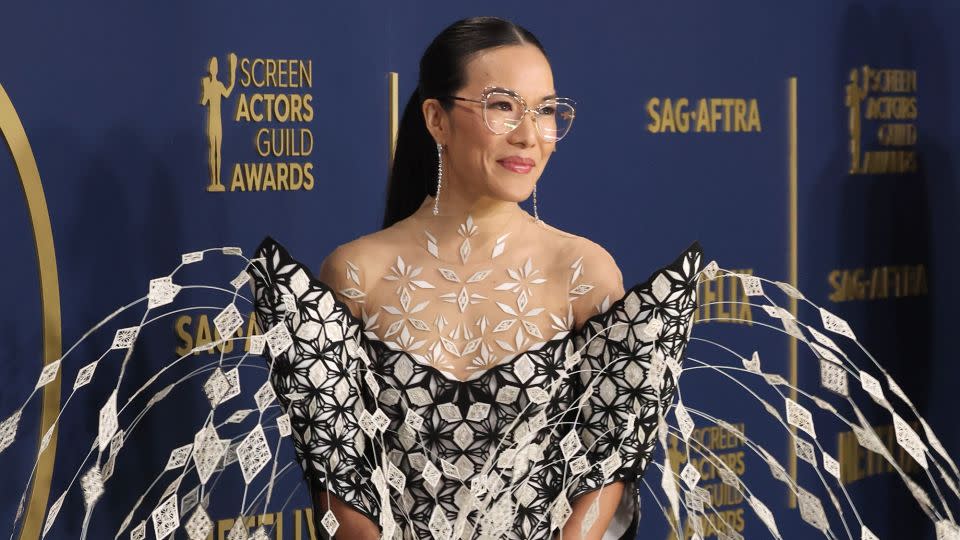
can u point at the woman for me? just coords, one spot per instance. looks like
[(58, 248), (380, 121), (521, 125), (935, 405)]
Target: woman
[(472, 291)]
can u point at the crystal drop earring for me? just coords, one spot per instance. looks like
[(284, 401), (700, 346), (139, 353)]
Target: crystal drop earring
[(436, 199), (535, 214)]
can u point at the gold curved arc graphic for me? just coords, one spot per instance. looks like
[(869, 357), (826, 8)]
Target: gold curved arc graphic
[(16, 138)]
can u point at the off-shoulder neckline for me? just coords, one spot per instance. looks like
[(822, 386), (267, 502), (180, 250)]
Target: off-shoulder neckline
[(479, 373)]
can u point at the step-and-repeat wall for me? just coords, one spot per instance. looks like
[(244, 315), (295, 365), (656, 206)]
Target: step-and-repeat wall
[(808, 143)]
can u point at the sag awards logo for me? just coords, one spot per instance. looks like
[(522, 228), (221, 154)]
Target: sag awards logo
[(274, 107), (887, 100), (703, 115)]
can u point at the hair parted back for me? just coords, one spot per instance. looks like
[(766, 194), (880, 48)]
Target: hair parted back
[(442, 72)]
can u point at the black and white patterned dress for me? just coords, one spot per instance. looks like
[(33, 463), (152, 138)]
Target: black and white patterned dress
[(502, 455)]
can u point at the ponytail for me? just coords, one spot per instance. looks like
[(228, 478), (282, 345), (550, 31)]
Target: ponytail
[(413, 175)]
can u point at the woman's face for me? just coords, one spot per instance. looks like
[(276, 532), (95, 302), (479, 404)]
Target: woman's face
[(474, 157)]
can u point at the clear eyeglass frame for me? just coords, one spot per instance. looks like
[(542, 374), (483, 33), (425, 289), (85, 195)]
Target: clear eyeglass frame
[(561, 105)]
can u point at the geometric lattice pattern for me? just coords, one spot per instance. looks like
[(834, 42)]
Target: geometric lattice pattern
[(475, 457)]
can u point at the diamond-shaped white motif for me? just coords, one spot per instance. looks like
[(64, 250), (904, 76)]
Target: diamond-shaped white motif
[(283, 425), (242, 278), (264, 396), (310, 331), (507, 394), (45, 441), (192, 257), (419, 396), (189, 500), (381, 420), (233, 384), (257, 343), (317, 373), (8, 430), (523, 369), (208, 449), (684, 422), (579, 465), (811, 510), (805, 451), (449, 412), (108, 421), (651, 330), (48, 374), (260, 534), (910, 441), (463, 436), (228, 321), (365, 420), (537, 395), (835, 324), (611, 464), (372, 383), (166, 518), (450, 469), (85, 374), (834, 378), (751, 285), (414, 420), (278, 339), (238, 531), (199, 525), (216, 387), (478, 412), (439, 526), (162, 292), (330, 523), (831, 465), (253, 453), (799, 416), (125, 337), (872, 387), (710, 270), (560, 512), (396, 478), (431, 474), (139, 532), (690, 475), (52, 513), (525, 494), (570, 445), (661, 287)]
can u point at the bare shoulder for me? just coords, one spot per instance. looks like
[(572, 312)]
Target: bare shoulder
[(355, 255), (595, 277), (593, 258)]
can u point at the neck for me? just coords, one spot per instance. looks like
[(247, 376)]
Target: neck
[(456, 208)]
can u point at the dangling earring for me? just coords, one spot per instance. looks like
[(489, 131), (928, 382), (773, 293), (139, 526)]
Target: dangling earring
[(436, 199), (535, 214)]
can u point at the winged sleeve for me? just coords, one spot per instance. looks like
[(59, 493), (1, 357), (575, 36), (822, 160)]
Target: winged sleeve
[(317, 359), (624, 378)]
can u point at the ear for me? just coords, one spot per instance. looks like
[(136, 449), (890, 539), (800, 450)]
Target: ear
[(436, 119)]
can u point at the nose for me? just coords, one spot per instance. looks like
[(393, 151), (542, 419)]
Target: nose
[(526, 132)]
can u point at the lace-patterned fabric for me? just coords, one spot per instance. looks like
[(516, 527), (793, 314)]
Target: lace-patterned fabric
[(465, 295), (502, 454)]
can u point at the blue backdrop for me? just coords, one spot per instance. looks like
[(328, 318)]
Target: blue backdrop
[(684, 112)]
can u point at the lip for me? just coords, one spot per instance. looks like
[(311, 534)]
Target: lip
[(517, 164)]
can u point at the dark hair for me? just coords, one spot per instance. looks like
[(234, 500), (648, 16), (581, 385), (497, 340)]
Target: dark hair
[(414, 172)]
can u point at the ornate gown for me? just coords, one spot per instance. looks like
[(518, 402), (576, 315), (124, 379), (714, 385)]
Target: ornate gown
[(500, 454), (451, 395)]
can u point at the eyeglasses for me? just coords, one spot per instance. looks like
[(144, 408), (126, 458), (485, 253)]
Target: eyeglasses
[(504, 110)]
